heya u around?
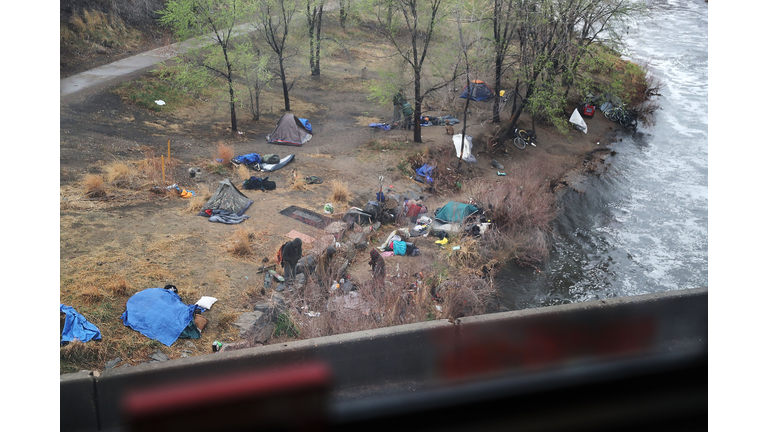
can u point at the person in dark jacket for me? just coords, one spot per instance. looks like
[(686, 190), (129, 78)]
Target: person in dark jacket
[(398, 100), (291, 252), (378, 268)]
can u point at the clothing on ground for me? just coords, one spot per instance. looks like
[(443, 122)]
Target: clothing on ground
[(226, 217)]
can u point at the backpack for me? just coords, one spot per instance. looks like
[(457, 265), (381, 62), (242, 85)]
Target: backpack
[(270, 159), (255, 183), (407, 110), (279, 257)]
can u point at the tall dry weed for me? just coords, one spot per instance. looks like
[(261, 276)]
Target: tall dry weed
[(339, 193), (224, 153), (94, 186), (241, 242)]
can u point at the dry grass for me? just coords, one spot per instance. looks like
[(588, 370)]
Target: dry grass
[(243, 172), (90, 294), (339, 193), (94, 186), (241, 242), (202, 194), (119, 286), (225, 153), (94, 29)]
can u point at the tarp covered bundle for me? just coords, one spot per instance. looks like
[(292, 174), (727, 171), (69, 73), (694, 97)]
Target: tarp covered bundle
[(227, 197), (477, 90), (158, 314), (290, 130), (455, 212)]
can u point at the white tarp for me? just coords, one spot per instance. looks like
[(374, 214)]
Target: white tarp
[(578, 121), (467, 156)]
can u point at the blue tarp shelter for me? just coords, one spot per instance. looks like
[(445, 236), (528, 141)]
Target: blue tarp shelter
[(455, 212)]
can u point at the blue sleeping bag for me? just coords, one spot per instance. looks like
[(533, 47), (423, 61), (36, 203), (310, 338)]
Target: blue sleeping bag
[(306, 124), (158, 314), (250, 158)]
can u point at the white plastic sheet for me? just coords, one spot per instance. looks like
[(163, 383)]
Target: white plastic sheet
[(206, 302), (467, 155), (578, 121)]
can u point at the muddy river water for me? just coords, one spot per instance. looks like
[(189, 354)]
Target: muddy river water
[(642, 226)]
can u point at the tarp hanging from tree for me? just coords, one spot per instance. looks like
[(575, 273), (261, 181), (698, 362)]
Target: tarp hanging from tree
[(227, 197), (290, 130), (578, 121)]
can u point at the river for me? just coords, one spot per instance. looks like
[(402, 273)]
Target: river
[(641, 227)]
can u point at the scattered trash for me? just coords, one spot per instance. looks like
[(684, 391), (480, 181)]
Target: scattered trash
[(239, 132), (500, 173), (443, 241), (456, 247), (328, 208), (304, 238), (496, 164), (216, 346), (159, 102), (439, 308), (206, 302)]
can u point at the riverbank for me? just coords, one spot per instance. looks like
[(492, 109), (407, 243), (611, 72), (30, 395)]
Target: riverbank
[(125, 241)]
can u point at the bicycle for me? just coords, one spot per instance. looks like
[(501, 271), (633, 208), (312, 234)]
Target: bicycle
[(623, 116), (522, 138)]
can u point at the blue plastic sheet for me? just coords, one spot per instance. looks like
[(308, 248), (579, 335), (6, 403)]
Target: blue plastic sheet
[(306, 124), (382, 126), (425, 171), (76, 327), (158, 314)]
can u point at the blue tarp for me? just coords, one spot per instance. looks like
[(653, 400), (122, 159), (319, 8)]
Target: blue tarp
[(248, 159), (158, 314), (382, 126), (76, 327), (306, 124), (425, 171)]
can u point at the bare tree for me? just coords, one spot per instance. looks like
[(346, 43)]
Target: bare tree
[(314, 24), (272, 21)]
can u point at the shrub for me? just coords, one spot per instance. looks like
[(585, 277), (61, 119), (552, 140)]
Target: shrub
[(94, 186), (339, 192)]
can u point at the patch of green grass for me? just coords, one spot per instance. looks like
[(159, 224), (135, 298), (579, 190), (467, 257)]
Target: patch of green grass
[(146, 90), (375, 144), (284, 326)]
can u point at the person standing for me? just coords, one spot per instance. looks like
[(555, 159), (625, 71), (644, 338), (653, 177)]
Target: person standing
[(290, 252), (398, 100), (407, 116), (378, 268)]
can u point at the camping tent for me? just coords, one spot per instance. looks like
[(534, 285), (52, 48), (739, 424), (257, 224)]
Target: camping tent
[(455, 212), (477, 90), (227, 197), (290, 130)]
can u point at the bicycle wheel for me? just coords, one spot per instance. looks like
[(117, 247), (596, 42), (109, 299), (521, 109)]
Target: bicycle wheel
[(519, 143)]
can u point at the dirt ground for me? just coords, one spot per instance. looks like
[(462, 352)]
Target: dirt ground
[(157, 241)]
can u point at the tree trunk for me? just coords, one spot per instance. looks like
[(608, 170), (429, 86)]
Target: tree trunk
[(497, 83), (231, 92), (342, 16), (316, 71), (417, 109), (285, 84)]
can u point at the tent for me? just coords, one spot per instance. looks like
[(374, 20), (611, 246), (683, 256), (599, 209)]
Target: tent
[(290, 130), (227, 197), (455, 212), (477, 90)]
